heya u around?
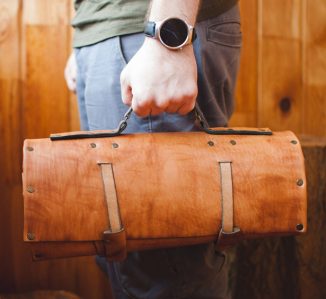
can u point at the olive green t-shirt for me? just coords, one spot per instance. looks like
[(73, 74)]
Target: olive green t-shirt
[(97, 20)]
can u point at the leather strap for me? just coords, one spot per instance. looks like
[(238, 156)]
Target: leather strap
[(123, 124), (227, 202), (114, 237), (227, 131), (150, 29), (227, 197)]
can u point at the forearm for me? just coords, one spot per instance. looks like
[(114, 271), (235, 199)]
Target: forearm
[(183, 9)]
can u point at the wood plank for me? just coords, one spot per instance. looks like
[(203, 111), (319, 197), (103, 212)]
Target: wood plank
[(245, 113), (74, 115), (46, 99), (312, 274), (282, 18), (280, 51), (44, 12), (10, 141), (47, 108), (80, 276), (41, 295), (315, 68)]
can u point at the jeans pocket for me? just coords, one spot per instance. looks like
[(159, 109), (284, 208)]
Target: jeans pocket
[(129, 45), (226, 33)]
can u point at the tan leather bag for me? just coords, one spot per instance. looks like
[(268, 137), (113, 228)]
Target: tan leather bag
[(122, 193)]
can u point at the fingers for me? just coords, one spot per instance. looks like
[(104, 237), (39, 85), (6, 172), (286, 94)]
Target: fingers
[(70, 73), (149, 107), (156, 100), (187, 107), (71, 84), (126, 90), (141, 108), (144, 105)]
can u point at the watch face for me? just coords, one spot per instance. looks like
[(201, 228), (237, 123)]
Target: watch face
[(174, 32)]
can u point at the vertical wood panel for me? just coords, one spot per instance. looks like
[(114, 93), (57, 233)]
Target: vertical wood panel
[(315, 68), (43, 84), (10, 124), (280, 51), (48, 107), (246, 91), (283, 56), (46, 100), (74, 116)]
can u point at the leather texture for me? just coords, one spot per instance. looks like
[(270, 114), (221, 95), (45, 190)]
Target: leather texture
[(170, 189)]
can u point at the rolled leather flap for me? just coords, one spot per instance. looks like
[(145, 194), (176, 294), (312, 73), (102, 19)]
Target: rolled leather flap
[(170, 189)]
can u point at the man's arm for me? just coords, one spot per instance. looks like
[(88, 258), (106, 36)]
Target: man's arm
[(158, 79)]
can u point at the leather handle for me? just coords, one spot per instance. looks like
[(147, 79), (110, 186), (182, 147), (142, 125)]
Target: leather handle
[(95, 134), (227, 131), (123, 124)]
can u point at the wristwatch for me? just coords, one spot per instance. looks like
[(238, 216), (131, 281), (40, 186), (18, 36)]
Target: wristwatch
[(173, 33)]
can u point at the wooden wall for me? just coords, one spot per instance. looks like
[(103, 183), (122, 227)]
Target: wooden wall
[(282, 78), (35, 40), (281, 85)]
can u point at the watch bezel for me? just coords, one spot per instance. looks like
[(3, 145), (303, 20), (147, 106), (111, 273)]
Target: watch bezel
[(188, 39)]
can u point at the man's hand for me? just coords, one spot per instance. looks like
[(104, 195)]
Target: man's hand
[(70, 72), (160, 80)]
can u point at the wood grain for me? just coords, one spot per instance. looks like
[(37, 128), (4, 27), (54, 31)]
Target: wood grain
[(74, 117), (246, 90), (280, 84), (10, 132), (45, 96), (283, 56), (47, 108), (314, 120)]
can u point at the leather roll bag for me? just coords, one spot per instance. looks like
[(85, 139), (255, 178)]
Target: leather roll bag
[(123, 193)]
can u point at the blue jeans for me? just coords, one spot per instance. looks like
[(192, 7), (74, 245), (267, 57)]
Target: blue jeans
[(196, 272)]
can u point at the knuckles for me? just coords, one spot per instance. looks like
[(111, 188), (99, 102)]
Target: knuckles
[(154, 101), (155, 104)]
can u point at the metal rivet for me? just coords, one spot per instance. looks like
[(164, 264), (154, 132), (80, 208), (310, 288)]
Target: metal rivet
[(30, 189), (299, 227), (233, 142), (93, 145), (294, 141), (30, 236), (210, 143), (115, 145), (300, 182), (30, 149)]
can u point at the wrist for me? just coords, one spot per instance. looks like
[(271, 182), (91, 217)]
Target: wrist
[(154, 46)]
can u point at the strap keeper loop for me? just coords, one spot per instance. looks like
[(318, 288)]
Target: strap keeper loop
[(115, 245)]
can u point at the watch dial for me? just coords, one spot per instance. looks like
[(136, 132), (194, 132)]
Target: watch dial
[(174, 32)]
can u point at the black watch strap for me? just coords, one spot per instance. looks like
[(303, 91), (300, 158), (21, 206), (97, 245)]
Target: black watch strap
[(150, 29), (194, 35)]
